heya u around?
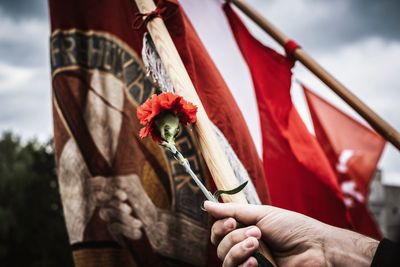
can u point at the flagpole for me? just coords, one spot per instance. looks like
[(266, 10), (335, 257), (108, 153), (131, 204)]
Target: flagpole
[(376, 122), (215, 158)]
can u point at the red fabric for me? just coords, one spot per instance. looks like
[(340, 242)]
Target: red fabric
[(290, 48), (298, 173), (218, 103), (217, 98), (212, 89), (141, 19), (109, 17), (338, 133)]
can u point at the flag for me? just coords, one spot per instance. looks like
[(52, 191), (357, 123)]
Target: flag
[(126, 201), (217, 99), (298, 173), (211, 25), (353, 151)]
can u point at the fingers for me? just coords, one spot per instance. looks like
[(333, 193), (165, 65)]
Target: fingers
[(235, 245), (111, 195), (250, 262), (221, 228), (235, 237), (98, 182), (116, 212), (105, 188), (123, 207), (241, 252), (118, 229), (101, 188), (113, 215), (121, 224), (105, 198), (244, 213), (121, 195), (128, 182)]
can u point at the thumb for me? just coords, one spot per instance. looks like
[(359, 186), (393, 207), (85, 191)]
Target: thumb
[(244, 213)]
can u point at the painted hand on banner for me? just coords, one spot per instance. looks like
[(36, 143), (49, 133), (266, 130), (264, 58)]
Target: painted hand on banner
[(128, 210), (114, 209)]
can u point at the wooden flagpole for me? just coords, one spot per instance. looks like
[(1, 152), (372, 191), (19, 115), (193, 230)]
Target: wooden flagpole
[(376, 122), (220, 169)]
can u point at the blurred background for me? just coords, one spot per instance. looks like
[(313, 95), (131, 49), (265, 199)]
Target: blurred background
[(357, 41)]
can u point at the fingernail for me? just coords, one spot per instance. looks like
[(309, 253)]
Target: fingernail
[(137, 234), (208, 204), (248, 243), (253, 231), (229, 224), (250, 263), (104, 215), (121, 195), (202, 206)]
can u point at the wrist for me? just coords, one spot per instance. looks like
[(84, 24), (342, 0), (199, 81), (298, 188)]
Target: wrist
[(347, 248)]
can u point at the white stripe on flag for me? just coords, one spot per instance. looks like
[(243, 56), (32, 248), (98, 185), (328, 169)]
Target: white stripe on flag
[(213, 29)]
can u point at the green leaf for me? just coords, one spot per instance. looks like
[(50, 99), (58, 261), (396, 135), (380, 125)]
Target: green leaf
[(218, 193)]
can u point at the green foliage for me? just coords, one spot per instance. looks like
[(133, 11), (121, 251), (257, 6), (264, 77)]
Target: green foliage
[(32, 228)]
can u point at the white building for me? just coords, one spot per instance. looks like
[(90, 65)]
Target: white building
[(384, 203)]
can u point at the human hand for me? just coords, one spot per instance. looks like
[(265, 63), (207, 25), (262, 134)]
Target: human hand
[(294, 239), (114, 209), (128, 211)]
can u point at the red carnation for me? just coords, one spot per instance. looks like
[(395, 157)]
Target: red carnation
[(160, 104)]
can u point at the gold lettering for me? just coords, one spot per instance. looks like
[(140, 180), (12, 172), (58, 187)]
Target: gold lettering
[(107, 55), (54, 51), (115, 61), (68, 50), (118, 62), (95, 53)]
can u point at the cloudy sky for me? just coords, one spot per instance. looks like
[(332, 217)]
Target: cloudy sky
[(358, 41)]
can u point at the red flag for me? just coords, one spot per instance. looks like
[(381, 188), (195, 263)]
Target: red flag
[(214, 93), (108, 176), (217, 98), (298, 173), (353, 151)]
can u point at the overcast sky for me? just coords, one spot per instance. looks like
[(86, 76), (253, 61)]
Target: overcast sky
[(358, 41)]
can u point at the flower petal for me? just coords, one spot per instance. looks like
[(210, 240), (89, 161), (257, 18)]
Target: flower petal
[(145, 131), (157, 104)]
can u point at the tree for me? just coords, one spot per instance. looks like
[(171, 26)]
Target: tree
[(32, 228)]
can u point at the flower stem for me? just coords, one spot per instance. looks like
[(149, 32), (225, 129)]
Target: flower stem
[(185, 163)]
